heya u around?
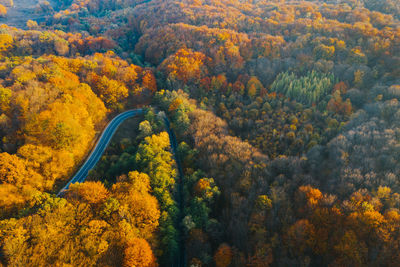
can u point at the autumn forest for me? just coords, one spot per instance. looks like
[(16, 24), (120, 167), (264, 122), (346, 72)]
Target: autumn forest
[(268, 133)]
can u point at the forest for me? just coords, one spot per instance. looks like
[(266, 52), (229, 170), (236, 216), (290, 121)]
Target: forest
[(270, 134)]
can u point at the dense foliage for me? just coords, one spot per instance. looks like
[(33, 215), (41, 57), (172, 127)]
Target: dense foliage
[(287, 123)]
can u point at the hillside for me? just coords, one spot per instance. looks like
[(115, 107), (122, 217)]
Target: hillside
[(20, 11), (286, 116)]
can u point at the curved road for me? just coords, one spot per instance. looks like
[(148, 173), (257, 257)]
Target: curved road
[(100, 147)]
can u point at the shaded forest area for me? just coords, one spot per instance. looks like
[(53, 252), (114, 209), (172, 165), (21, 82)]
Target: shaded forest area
[(287, 116)]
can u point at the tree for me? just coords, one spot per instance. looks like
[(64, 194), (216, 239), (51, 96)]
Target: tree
[(111, 91), (342, 87), (223, 256), (254, 86), (157, 161), (133, 195), (185, 65), (145, 212), (140, 181), (358, 78), (175, 104), (154, 158), (3, 11), (324, 51), (307, 89), (301, 236), (206, 189), (350, 249), (89, 192), (337, 105), (6, 41), (138, 253), (219, 83), (5, 98), (145, 128), (149, 81), (14, 170), (31, 24)]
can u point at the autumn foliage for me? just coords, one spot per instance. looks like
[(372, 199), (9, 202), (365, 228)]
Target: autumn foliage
[(286, 120)]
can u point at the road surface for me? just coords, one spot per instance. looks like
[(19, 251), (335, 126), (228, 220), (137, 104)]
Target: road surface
[(181, 258), (100, 147)]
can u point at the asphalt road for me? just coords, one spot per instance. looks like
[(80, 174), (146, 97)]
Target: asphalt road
[(181, 258), (100, 147)]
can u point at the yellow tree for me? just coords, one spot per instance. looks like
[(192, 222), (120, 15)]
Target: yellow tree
[(185, 66), (88, 192), (6, 41), (13, 170), (3, 11), (135, 199), (254, 86), (111, 91), (138, 253)]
